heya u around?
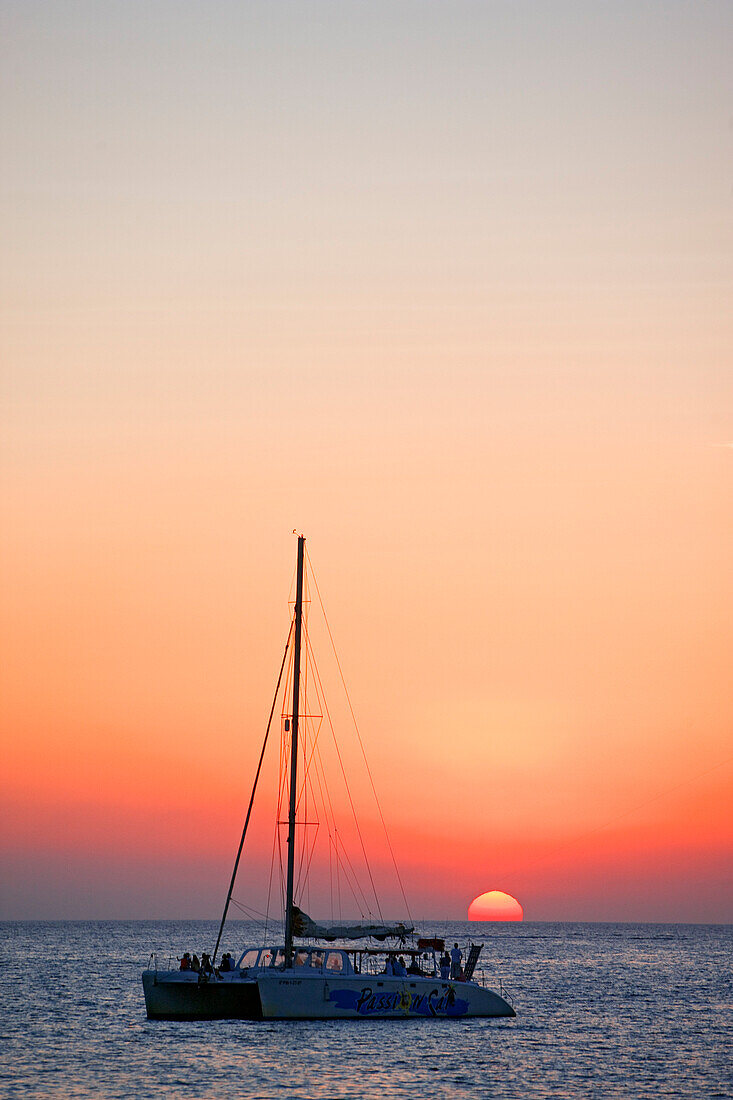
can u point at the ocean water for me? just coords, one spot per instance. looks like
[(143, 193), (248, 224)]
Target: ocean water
[(603, 1010)]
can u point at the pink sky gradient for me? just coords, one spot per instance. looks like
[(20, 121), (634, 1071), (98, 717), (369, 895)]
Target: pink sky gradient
[(447, 288)]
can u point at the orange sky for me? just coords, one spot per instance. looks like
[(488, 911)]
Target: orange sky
[(447, 288)]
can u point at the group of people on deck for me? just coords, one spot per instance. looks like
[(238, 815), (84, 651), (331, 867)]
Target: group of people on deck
[(451, 965), (204, 966), (396, 966)]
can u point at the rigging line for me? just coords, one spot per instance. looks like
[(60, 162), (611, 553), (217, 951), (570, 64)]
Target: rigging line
[(282, 771), (243, 909), (308, 717), (292, 586), (269, 886), (304, 845), (308, 850), (303, 840), (307, 784), (276, 828), (324, 704), (338, 876), (361, 901), (346, 784), (333, 839), (282, 788), (283, 777), (316, 760), (303, 874), (248, 908), (250, 914), (325, 801), (349, 873), (308, 755), (272, 872), (281, 878), (330, 873), (306, 855), (252, 796), (358, 735), (332, 834), (364, 903), (619, 817), (326, 804), (306, 769), (304, 741), (280, 855), (284, 781), (304, 868)]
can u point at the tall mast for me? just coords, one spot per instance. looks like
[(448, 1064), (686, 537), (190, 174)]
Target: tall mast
[(294, 755)]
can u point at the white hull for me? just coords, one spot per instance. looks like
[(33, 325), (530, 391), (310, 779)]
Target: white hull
[(358, 996), (293, 995)]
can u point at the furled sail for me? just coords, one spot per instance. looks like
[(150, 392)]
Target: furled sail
[(306, 928)]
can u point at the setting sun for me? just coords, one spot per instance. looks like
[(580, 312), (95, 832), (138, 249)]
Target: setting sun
[(495, 905)]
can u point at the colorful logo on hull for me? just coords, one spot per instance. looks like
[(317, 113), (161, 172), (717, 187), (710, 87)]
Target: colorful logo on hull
[(367, 1002)]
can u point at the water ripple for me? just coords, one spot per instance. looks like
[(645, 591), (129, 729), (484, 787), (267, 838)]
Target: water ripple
[(610, 1011)]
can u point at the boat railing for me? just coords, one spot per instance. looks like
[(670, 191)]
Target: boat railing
[(373, 966), (491, 981), (158, 962)]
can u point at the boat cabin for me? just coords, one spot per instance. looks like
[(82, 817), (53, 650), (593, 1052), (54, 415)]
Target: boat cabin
[(335, 960), (342, 960)]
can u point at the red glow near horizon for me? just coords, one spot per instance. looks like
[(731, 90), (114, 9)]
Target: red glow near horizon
[(495, 905)]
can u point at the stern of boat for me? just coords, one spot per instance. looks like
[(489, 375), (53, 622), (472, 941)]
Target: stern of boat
[(178, 995)]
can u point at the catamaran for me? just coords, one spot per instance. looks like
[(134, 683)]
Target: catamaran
[(318, 971)]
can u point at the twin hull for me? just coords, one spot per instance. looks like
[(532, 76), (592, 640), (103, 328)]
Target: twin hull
[(171, 995)]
